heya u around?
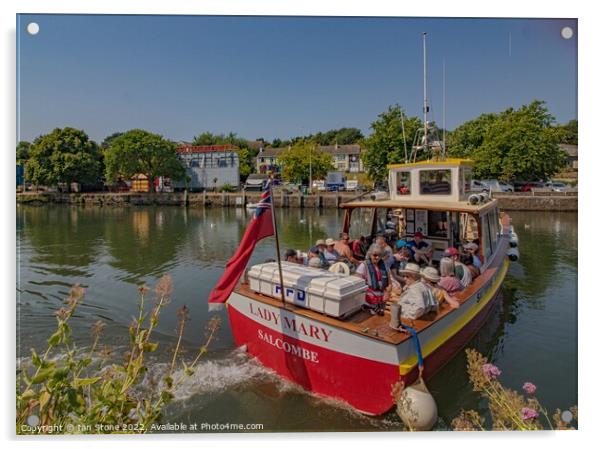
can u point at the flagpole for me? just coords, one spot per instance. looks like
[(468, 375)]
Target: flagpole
[(277, 246)]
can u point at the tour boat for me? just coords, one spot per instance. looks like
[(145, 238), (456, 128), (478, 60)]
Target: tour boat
[(324, 341)]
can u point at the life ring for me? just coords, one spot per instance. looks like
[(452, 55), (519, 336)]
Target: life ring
[(340, 267)]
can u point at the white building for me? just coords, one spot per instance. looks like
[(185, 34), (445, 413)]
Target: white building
[(209, 166)]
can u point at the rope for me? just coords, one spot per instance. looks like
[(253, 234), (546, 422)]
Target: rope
[(414, 335)]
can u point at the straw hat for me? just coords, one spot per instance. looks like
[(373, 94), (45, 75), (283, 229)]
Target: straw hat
[(411, 268), (471, 246), (320, 242), (330, 242), (430, 274)]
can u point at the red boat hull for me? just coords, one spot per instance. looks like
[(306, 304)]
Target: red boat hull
[(324, 367)]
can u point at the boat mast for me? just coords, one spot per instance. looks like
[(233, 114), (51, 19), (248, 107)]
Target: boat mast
[(425, 107)]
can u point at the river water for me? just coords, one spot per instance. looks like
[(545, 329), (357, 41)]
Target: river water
[(531, 335)]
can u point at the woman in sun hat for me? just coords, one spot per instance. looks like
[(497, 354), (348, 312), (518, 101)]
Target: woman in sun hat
[(430, 276), (417, 299)]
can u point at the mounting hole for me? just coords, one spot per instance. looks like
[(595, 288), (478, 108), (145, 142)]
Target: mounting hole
[(566, 32), (33, 28)]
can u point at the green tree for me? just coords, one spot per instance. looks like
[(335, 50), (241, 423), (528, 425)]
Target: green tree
[(468, 137), (64, 156), (23, 151), (295, 162), (386, 144), (139, 151), (520, 144), (568, 133), (106, 143)]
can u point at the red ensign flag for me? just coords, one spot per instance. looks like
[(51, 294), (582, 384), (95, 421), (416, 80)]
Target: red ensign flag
[(261, 226)]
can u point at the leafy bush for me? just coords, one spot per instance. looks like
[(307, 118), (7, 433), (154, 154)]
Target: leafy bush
[(80, 391), (508, 409), (227, 188)]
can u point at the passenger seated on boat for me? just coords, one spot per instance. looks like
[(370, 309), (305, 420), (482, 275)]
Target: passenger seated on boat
[(290, 255), (315, 262), (462, 272), (314, 251), (343, 248), (468, 261), (417, 299), (388, 251), (473, 249), (449, 282), (358, 248), (378, 277), (430, 276), (330, 253), (422, 250)]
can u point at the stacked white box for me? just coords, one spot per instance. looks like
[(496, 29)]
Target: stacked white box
[(331, 293)]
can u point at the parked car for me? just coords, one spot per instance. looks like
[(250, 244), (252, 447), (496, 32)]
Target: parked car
[(318, 185), (255, 182), (351, 185), (478, 186), (529, 186), (557, 186), (506, 187)]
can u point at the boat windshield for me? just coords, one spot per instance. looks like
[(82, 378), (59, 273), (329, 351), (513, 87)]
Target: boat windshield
[(361, 222)]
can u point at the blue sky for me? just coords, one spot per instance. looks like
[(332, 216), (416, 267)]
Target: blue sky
[(280, 76)]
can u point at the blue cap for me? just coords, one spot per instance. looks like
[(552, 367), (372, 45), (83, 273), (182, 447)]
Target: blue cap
[(401, 243), (314, 249)]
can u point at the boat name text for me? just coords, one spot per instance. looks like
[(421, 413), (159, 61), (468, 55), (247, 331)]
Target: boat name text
[(291, 323), (285, 346)]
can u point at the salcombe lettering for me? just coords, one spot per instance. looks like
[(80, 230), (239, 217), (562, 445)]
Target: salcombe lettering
[(287, 347), (291, 323)]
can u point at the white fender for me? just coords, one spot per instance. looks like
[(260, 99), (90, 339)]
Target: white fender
[(417, 408), (513, 254)]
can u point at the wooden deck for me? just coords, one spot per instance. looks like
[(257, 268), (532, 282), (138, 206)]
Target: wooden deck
[(376, 326)]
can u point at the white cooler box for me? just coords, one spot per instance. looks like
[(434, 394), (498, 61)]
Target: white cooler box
[(330, 293)]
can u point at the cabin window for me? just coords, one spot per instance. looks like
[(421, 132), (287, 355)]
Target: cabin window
[(361, 222), (493, 230), (469, 228), (466, 181), (381, 220), (438, 223), (435, 182), (403, 183), (486, 240)]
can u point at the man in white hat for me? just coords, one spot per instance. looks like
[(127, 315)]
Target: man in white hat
[(417, 300), (331, 254)]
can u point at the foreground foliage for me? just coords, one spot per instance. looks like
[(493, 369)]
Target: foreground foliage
[(508, 409), (71, 390)]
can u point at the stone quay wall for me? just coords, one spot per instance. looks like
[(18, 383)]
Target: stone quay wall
[(539, 201)]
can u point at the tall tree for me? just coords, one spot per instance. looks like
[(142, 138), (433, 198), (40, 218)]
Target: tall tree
[(64, 156), (521, 144), (386, 144), (23, 151), (139, 151), (296, 162)]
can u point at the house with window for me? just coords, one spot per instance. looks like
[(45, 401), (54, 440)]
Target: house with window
[(344, 158), (209, 166), (571, 152)]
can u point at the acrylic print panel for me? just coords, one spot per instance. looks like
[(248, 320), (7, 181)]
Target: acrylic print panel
[(143, 146)]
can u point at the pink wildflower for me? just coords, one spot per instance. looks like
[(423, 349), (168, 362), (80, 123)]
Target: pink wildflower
[(529, 413), (529, 387), (491, 371)]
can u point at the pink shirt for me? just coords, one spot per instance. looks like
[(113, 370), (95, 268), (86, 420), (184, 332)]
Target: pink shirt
[(450, 284)]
